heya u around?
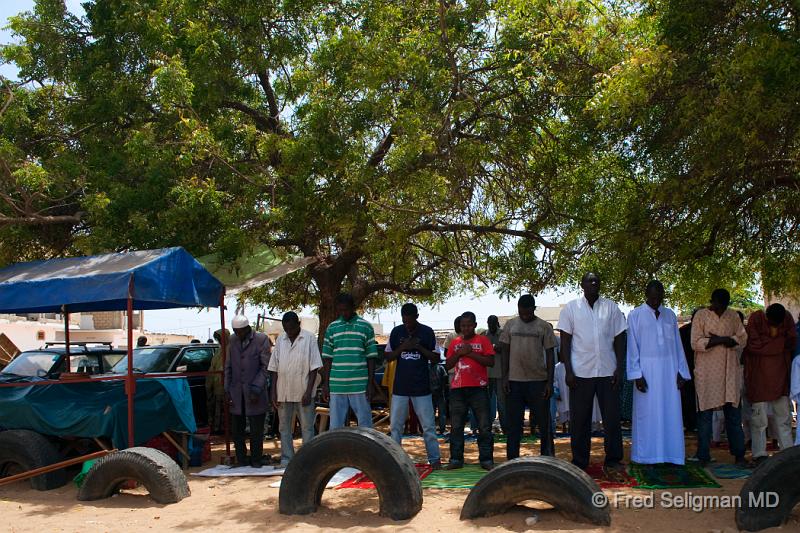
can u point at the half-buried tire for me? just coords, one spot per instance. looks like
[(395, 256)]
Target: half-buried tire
[(22, 450), (376, 455), (160, 475), (771, 492), (561, 484)]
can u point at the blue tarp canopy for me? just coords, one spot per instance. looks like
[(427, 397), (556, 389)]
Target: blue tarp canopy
[(162, 279)]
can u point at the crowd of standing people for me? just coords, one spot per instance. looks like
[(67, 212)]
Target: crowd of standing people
[(680, 378)]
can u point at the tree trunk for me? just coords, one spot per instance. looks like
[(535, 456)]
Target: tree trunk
[(330, 281), (327, 310)]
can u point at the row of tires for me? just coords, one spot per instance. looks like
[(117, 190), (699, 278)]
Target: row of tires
[(559, 483), (564, 486)]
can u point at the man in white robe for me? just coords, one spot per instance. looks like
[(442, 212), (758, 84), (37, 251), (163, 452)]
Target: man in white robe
[(795, 389), (657, 364)]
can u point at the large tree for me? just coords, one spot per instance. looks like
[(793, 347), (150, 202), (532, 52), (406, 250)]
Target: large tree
[(415, 149), (392, 142)]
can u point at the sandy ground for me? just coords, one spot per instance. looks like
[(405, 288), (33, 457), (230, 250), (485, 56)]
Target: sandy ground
[(249, 504)]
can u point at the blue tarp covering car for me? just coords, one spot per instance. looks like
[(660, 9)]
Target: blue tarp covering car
[(99, 409)]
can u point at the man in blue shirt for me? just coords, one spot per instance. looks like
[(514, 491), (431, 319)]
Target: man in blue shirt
[(413, 346)]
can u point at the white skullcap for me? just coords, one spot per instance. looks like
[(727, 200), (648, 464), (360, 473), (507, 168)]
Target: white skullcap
[(239, 322)]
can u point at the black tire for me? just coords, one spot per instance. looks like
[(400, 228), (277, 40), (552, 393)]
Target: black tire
[(561, 484), (372, 452), (157, 471), (25, 450), (777, 476)]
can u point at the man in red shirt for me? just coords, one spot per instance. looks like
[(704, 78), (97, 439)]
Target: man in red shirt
[(771, 338), (469, 355)]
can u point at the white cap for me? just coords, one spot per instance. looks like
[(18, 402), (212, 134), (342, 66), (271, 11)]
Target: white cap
[(239, 322)]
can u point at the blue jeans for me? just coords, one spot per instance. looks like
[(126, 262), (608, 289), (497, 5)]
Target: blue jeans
[(733, 427), (461, 399), (340, 405), (423, 406), (286, 412)]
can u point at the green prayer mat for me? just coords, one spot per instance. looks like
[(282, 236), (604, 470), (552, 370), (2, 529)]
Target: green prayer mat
[(668, 476), (79, 479), (501, 437), (463, 478)]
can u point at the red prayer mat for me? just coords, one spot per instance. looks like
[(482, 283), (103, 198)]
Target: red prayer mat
[(595, 470), (361, 481)]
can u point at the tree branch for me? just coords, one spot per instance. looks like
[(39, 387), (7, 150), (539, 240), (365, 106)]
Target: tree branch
[(35, 220), (484, 230), (262, 123), (382, 149), (386, 285), (272, 101)]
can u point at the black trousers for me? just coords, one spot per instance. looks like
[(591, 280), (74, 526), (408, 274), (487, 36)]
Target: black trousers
[(581, 405), (528, 393), (238, 426), (461, 399)]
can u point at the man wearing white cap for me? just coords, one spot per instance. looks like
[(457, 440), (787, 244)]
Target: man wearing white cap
[(245, 387)]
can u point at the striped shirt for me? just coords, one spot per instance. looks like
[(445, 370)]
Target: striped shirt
[(348, 343)]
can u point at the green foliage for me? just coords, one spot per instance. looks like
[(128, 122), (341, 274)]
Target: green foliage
[(415, 149)]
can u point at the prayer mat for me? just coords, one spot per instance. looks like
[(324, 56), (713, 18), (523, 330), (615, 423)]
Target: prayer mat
[(614, 481), (240, 471), (771, 447), (500, 437), (729, 471), (361, 481), (626, 433), (668, 476), (338, 478), (463, 478)]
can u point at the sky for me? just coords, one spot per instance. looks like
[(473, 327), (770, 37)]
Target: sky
[(10, 8), (200, 323)]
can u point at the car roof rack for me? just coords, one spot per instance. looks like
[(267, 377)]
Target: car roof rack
[(84, 344)]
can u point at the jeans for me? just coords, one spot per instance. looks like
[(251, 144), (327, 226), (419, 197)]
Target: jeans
[(423, 406), (461, 399), (733, 427), (238, 424), (439, 402), (340, 405), (528, 393), (782, 413), (581, 406), (286, 412)]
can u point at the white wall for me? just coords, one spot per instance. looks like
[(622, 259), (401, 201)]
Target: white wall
[(24, 333)]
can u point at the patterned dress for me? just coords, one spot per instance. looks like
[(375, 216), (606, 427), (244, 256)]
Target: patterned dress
[(717, 372)]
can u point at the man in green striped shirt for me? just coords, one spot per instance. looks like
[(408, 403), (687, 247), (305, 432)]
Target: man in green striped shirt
[(349, 353)]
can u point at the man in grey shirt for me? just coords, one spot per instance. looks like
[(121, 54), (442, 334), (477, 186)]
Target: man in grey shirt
[(530, 344)]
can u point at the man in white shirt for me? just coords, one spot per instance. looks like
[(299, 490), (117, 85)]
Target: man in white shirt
[(593, 350), (294, 366)]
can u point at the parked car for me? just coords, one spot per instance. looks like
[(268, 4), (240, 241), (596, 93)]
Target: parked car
[(50, 361), (169, 358)]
